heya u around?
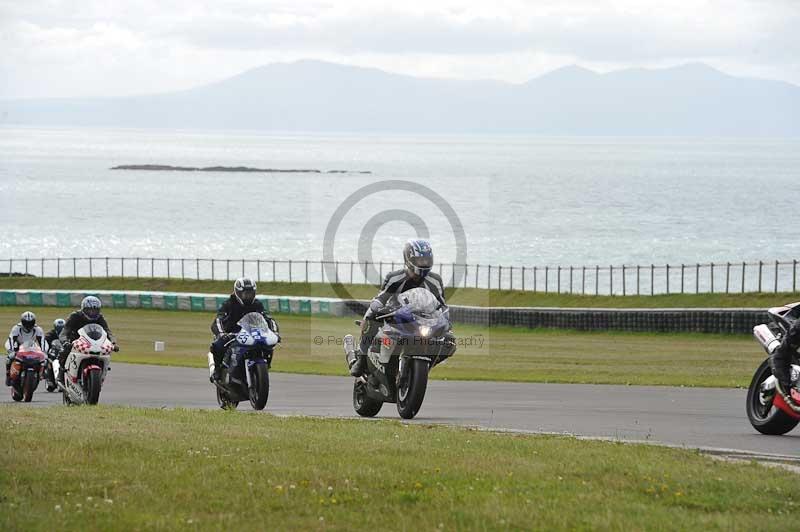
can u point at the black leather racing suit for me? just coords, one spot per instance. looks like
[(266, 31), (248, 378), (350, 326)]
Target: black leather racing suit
[(396, 282), (69, 333), (782, 358), (226, 322)]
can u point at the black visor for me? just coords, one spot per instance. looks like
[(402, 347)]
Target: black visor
[(247, 295)]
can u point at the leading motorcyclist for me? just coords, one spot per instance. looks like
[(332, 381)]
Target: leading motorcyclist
[(88, 313), (23, 332), (226, 323), (416, 272), (781, 363)]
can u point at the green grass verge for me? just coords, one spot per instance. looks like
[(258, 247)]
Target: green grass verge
[(115, 468), (462, 296), (313, 345)]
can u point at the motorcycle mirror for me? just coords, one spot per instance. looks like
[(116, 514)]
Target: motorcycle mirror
[(358, 322)]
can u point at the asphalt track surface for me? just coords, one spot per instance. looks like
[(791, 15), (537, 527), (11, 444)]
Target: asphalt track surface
[(687, 417)]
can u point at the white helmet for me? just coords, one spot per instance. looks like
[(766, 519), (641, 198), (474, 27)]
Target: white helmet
[(27, 320)]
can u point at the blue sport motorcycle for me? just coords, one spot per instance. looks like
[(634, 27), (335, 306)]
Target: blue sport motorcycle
[(245, 371)]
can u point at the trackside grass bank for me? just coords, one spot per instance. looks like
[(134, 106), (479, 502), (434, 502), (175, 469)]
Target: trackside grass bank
[(461, 296), (313, 345), (114, 468)]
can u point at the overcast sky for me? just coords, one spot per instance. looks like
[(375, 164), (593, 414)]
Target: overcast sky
[(120, 47)]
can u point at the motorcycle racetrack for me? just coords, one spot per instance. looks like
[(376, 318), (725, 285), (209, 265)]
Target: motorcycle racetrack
[(707, 418)]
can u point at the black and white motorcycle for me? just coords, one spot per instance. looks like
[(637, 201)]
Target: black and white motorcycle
[(416, 335)]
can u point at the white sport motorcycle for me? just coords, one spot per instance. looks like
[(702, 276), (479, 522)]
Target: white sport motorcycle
[(87, 365)]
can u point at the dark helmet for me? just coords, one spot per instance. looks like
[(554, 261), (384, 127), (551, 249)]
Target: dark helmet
[(58, 325), (418, 257), (90, 307), (245, 290), (28, 320)]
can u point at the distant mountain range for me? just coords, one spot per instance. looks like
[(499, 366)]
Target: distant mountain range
[(315, 96)]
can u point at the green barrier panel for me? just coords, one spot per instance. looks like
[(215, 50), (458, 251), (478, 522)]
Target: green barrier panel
[(64, 300), (171, 302), (305, 306), (324, 307), (220, 301), (145, 301), (35, 299), (266, 304), (119, 300), (283, 306), (8, 298), (198, 303)]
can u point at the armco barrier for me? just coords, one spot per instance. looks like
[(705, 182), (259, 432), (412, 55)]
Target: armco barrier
[(726, 321), (168, 301)]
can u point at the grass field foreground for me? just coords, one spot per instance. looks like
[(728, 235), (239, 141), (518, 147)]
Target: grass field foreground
[(115, 468), (461, 296), (313, 345)]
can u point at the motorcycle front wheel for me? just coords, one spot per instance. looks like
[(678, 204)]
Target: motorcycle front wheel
[(411, 388), (259, 389), (29, 383), (766, 418), (92, 387)]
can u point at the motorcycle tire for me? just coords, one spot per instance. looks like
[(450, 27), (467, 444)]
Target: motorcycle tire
[(16, 394), (92, 386), (411, 393), (765, 418), (364, 405), (259, 391), (29, 383)]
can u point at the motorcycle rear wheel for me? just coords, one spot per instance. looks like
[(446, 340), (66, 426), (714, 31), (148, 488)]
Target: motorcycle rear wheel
[(28, 386), (363, 404), (92, 387), (259, 391), (411, 390), (766, 418)]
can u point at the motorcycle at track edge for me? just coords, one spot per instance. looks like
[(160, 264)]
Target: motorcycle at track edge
[(415, 336), (246, 363), (26, 370), (87, 365), (767, 411)]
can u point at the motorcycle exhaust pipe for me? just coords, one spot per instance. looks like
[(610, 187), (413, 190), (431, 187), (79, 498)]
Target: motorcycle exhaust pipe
[(766, 338)]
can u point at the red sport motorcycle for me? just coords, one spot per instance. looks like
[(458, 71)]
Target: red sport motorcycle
[(27, 369), (766, 409)]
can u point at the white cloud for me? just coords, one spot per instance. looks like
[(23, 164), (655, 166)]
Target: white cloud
[(90, 47)]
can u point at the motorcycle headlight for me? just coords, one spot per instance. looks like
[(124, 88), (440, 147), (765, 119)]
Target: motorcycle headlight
[(424, 330)]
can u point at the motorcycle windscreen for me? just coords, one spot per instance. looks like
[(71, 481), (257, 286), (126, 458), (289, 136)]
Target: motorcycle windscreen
[(420, 302), (253, 320), (93, 331)]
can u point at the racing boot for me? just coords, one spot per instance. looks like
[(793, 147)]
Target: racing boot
[(215, 371), (8, 372), (356, 362)]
